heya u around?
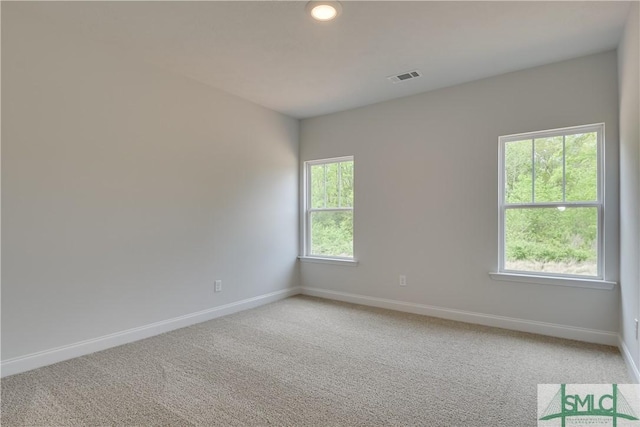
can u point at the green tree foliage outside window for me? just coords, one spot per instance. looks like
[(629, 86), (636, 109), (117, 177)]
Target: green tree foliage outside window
[(330, 187), (561, 238)]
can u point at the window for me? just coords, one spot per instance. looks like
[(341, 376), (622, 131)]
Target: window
[(551, 202), (328, 226)]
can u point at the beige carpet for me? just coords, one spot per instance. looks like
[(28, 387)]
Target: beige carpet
[(310, 362)]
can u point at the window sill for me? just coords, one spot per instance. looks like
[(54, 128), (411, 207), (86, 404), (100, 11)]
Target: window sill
[(335, 261), (558, 281)]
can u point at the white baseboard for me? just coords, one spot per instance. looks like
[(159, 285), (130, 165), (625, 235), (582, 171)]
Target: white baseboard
[(48, 357), (541, 328), (631, 366)]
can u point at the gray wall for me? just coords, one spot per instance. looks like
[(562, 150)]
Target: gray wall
[(629, 76), (426, 190), (127, 191)]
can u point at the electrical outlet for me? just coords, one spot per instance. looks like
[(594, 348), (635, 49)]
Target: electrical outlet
[(218, 286), (403, 280), (636, 320)]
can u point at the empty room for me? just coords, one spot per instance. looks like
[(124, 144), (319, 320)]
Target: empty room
[(292, 213)]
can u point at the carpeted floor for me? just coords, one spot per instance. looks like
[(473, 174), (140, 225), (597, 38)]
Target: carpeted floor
[(310, 362)]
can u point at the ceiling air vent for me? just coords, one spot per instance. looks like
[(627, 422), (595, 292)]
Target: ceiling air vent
[(405, 76)]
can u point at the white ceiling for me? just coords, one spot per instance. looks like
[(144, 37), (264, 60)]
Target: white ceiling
[(272, 53)]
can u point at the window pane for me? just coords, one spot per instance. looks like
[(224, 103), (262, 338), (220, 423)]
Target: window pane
[(581, 153), (550, 240), (347, 184), (333, 185), (518, 176), (316, 185), (332, 233), (549, 171)]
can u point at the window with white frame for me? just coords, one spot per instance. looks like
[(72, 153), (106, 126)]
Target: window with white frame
[(328, 206), (551, 202)]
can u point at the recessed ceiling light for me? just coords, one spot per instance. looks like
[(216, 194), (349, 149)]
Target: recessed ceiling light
[(324, 10)]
